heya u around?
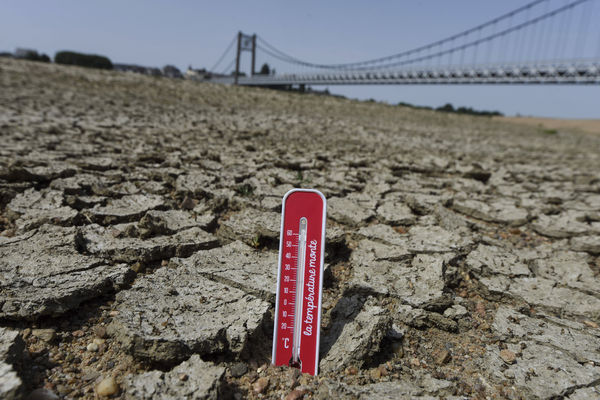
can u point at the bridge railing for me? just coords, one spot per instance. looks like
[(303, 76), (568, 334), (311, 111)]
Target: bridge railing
[(583, 71)]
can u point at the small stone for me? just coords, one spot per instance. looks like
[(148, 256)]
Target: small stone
[(62, 389), (261, 384), (92, 347), (238, 370), (100, 332), (375, 374), (480, 309), (113, 313), (508, 356), (44, 334), (591, 324), (351, 370), (295, 394), (383, 370), (442, 357), (294, 374), (183, 377), (42, 394), (90, 376), (78, 333), (398, 349), (107, 387), (99, 342), (137, 267), (414, 362), (188, 203), (456, 311)]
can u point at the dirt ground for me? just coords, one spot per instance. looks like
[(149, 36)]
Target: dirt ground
[(139, 231)]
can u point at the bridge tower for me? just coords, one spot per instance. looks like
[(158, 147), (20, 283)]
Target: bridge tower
[(245, 43)]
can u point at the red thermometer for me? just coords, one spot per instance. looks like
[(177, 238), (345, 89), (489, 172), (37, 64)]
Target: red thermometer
[(300, 280)]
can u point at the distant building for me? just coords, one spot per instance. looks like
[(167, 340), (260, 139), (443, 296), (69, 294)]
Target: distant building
[(138, 69), (201, 74)]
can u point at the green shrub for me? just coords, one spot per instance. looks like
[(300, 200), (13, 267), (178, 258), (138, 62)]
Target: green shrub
[(83, 60), (31, 55)]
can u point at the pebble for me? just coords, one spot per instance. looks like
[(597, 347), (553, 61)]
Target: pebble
[(480, 309), (375, 374), (62, 389), (442, 357), (98, 341), (44, 334), (92, 347), (351, 370), (383, 370), (107, 387), (591, 324), (295, 394), (456, 311), (261, 384), (238, 370), (188, 203), (78, 333), (90, 376), (100, 331), (398, 349), (42, 394), (294, 374), (508, 356)]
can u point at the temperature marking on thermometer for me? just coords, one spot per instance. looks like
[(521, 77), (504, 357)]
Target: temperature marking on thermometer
[(299, 280)]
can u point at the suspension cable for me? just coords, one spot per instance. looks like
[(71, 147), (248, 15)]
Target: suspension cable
[(224, 54), (567, 7), (408, 52)]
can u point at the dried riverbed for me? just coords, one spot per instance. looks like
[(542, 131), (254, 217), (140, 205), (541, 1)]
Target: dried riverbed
[(139, 226)]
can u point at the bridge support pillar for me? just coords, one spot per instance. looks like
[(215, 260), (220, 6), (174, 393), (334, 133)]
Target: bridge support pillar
[(237, 58), (252, 72)]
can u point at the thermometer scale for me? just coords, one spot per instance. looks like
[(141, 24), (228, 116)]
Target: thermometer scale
[(299, 280)]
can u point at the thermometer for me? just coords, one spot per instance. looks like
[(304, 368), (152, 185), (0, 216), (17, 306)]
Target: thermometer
[(300, 280)]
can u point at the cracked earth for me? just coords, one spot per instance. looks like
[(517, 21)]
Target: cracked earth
[(139, 223)]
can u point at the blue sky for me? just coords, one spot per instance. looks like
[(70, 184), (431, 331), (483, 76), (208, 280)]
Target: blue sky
[(183, 33)]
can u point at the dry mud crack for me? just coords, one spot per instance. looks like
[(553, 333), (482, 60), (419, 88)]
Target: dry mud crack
[(139, 226)]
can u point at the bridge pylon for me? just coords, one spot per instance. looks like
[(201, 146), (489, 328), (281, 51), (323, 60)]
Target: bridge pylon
[(244, 43)]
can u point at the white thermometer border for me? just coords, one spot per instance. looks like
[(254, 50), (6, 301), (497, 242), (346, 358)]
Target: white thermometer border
[(273, 354)]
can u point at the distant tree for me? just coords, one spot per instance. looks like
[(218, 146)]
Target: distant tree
[(265, 70), (467, 110), (31, 55), (171, 71), (83, 60), (446, 108)]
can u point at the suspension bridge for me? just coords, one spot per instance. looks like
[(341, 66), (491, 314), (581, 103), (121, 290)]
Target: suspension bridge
[(542, 42)]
